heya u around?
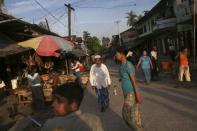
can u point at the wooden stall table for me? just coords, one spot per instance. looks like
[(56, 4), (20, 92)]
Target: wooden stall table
[(63, 79), (47, 87), (48, 94), (24, 96)]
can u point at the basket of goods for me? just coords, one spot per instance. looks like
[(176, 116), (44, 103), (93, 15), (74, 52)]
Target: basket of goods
[(71, 78), (44, 77), (48, 94), (63, 79), (84, 80), (48, 85)]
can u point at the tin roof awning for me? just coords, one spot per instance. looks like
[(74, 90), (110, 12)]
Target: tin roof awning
[(9, 47)]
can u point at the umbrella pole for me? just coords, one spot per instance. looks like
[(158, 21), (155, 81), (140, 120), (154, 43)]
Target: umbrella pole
[(66, 67)]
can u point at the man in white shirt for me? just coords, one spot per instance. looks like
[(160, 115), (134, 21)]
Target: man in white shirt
[(2, 84), (100, 81)]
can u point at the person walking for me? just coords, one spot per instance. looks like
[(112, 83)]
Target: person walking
[(184, 69), (131, 57), (154, 60), (132, 97), (76, 69), (172, 51), (146, 66), (100, 81)]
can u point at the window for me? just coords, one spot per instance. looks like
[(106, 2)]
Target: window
[(145, 30), (186, 11)]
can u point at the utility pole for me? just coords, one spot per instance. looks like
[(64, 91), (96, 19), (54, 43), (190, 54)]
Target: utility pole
[(194, 2), (47, 24), (69, 18), (117, 23)]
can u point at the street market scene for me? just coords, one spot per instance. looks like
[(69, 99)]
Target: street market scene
[(98, 65)]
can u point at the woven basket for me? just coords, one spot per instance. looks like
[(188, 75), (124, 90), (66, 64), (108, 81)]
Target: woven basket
[(84, 80), (44, 77), (63, 79)]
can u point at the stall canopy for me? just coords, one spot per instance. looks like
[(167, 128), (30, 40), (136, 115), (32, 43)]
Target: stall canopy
[(48, 45), (79, 52), (9, 47)]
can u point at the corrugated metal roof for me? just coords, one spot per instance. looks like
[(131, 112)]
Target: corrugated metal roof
[(9, 47)]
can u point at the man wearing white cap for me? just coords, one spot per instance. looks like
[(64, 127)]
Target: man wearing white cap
[(100, 81)]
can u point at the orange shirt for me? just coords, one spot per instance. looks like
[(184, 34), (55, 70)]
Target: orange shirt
[(183, 59)]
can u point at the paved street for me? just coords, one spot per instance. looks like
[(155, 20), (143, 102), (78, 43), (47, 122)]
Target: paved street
[(164, 108)]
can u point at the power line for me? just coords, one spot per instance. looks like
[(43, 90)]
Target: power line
[(44, 16), (107, 8), (114, 7), (48, 12), (79, 2), (60, 17)]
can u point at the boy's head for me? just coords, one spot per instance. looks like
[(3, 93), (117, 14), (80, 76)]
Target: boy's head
[(121, 53), (67, 98)]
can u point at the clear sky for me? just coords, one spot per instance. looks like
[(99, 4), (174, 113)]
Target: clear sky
[(86, 17)]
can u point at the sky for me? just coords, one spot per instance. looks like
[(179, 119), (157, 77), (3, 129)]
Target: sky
[(95, 16)]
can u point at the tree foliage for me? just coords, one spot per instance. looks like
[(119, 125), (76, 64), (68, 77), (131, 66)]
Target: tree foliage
[(1, 5), (43, 25), (92, 42), (1, 2), (105, 42), (132, 18)]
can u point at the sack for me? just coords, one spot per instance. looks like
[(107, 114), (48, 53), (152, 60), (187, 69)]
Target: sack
[(138, 97)]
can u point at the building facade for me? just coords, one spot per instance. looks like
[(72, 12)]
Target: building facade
[(167, 24)]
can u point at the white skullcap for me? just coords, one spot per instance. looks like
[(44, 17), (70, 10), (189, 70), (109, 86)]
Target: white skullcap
[(97, 57), (130, 53)]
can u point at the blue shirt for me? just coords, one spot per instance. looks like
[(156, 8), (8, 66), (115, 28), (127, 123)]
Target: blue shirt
[(125, 70), (145, 62)]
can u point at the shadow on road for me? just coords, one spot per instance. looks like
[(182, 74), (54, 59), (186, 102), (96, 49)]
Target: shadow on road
[(192, 105), (111, 121), (187, 94)]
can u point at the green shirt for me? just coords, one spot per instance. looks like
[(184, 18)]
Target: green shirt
[(75, 121), (125, 70)]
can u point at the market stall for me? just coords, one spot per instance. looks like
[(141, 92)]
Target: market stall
[(54, 55)]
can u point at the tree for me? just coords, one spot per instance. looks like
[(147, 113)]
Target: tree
[(86, 35), (43, 25), (132, 18), (105, 42), (139, 17), (1, 2), (2, 8), (92, 43)]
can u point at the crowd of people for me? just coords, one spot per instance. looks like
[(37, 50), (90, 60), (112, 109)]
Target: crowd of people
[(67, 98), (149, 64)]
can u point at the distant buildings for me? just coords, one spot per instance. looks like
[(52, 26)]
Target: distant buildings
[(169, 23)]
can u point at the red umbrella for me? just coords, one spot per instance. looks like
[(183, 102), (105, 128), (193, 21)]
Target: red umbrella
[(48, 49), (48, 45)]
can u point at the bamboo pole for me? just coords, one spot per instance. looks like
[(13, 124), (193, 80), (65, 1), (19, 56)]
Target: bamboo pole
[(194, 31)]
